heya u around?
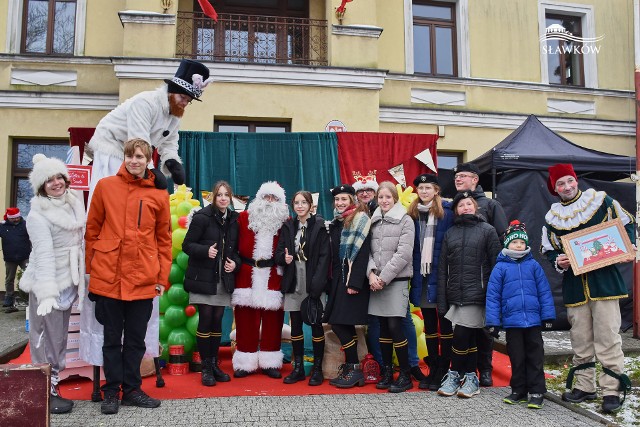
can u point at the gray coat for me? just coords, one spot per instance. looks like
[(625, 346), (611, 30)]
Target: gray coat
[(392, 240)]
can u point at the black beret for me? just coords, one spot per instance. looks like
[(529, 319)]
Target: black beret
[(425, 178), (467, 167), (460, 196), (343, 188)]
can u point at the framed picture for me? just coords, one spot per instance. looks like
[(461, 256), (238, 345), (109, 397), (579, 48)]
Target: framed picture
[(80, 177), (598, 246)]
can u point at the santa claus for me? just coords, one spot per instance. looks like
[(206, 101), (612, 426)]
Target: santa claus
[(257, 298)]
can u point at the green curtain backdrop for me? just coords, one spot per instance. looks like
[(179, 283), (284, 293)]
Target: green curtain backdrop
[(297, 161)]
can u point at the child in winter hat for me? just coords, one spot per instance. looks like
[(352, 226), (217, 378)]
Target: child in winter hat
[(519, 300)]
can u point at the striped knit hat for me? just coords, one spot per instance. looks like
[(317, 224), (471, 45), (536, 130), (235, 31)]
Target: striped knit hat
[(516, 230)]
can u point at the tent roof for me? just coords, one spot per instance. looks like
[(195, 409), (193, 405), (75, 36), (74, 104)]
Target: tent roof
[(534, 146)]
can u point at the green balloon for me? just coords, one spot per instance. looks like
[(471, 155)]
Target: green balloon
[(180, 336), (176, 275), (192, 324), (164, 302), (164, 328), (182, 260), (183, 208), (165, 350), (175, 317), (177, 237), (178, 296)]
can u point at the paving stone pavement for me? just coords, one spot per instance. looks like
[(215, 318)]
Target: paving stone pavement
[(356, 410)]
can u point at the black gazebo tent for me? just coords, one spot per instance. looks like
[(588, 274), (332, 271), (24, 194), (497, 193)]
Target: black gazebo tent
[(516, 171)]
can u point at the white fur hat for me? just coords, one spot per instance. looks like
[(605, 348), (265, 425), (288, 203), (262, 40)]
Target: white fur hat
[(362, 185), (273, 188), (44, 168)]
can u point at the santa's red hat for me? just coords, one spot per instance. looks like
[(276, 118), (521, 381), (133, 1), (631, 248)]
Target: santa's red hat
[(556, 172), (12, 213)]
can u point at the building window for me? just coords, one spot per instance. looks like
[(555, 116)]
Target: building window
[(434, 38), (48, 26), (22, 163), (250, 127), (565, 60), (448, 160)]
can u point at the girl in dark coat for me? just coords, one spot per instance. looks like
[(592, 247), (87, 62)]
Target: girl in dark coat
[(468, 255), (212, 245), (348, 300), (432, 217), (303, 251)]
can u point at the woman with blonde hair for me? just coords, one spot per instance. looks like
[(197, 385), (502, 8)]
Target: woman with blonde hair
[(432, 217), (389, 272), (348, 300), (212, 245)]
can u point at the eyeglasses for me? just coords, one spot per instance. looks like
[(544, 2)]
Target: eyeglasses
[(462, 176), (366, 190)]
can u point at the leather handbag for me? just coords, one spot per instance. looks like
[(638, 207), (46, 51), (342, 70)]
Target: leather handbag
[(312, 310)]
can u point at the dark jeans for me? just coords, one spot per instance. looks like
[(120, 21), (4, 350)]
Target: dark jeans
[(122, 357), (526, 353), (10, 269)]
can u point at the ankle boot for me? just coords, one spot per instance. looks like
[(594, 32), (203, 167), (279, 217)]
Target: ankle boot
[(218, 373), (403, 383), (351, 376), (207, 373), (298, 371), (441, 370), (432, 363), (386, 377), (316, 377)]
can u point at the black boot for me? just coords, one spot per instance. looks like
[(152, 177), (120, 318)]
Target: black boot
[(441, 370), (351, 376), (386, 377), (432, 363), (218, 373), (298, 371), (316, 377), (341, 369), (403, 383), (57, 403), (207, 373)]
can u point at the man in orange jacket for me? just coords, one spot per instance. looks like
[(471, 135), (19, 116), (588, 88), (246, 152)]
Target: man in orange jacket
[(128, 255)]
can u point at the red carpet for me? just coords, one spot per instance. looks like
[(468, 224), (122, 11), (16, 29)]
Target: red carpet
[(189, 386)]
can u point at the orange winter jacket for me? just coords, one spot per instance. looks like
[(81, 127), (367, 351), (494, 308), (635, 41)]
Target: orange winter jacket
[(128, 237)]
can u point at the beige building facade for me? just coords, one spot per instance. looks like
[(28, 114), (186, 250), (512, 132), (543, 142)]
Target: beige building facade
[(471, 71)]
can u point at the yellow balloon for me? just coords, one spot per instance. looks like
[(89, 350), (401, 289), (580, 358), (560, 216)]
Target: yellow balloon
[(406, 196), (418, 323)]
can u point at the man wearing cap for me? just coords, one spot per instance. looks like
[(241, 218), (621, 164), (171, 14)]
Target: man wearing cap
[(466, 179), (153, 116), (257, 298), (366, 193), (16, 248), (591, 298)]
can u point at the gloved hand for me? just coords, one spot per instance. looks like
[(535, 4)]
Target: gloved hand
[(414, 295), (177, 171), (46, 305), (160, 180)]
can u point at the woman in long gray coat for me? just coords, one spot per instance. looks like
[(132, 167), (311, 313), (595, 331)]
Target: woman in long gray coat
[(55, 275), (389, 271)]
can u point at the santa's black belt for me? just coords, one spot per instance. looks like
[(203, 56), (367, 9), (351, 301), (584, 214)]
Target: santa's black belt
[(260, 263)]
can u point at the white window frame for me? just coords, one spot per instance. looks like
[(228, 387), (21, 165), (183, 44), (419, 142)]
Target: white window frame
[(586, 15), (462, 34), (14, 26)]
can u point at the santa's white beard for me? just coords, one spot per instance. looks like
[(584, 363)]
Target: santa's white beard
[(267, 217)]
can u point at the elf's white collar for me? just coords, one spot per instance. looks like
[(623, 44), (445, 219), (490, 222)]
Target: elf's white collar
[(565, 216)]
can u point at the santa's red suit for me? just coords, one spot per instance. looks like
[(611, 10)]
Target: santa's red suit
[(257, 300)]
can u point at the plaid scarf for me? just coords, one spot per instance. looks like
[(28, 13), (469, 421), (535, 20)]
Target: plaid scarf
[(427, 233), (352, 237)]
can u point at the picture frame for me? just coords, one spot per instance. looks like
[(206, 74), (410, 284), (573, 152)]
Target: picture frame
[(79, 177), (598, 246)]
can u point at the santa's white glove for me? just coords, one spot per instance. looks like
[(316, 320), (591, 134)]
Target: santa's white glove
[(46, 305)]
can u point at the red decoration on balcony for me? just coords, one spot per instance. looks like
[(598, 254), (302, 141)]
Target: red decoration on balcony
[(341, 9), (208, 10)]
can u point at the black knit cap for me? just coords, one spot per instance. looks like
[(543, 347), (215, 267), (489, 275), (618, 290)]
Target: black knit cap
[(460, 196), (343, 188), (467, 167), (426, 178)]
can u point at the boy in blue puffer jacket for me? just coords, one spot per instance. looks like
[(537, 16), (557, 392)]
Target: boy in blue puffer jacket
[(519, 300)]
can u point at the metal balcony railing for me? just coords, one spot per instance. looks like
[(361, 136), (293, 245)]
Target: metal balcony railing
[(252, 38)]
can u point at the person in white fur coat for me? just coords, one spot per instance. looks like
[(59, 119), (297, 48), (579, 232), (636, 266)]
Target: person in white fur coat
[(55, 274)]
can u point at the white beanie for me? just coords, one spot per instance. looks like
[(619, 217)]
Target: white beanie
[(44, 168), (363, 185), (272, 188)]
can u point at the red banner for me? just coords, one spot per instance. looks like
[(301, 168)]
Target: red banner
[(365, 154)]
